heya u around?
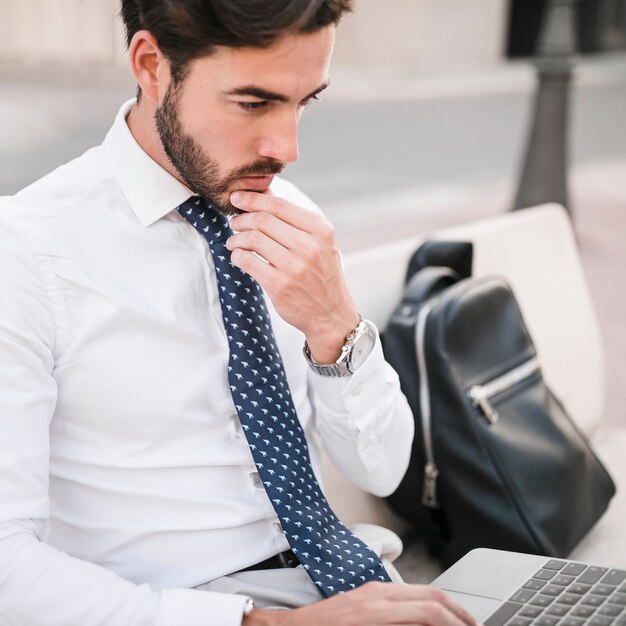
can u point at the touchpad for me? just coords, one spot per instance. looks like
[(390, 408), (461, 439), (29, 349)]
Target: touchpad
[(478, 606)]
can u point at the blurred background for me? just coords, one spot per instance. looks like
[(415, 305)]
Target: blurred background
[(428, 115), (427, 121)]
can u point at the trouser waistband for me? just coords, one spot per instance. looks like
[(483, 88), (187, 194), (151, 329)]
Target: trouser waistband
[(283, 559)]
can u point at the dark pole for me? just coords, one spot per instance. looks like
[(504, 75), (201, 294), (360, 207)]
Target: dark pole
[(544, 177)]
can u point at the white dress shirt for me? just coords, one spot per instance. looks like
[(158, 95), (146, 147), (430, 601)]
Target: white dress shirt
[(125, 478)]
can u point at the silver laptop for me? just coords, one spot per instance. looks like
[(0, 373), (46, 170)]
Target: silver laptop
[(512, 589)]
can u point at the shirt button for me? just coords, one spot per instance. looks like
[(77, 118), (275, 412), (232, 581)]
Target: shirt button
[(370, 442), (256, 479), (278, 528), (356, 391)]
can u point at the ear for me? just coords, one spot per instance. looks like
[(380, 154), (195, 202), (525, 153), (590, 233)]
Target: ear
[(149, 65)]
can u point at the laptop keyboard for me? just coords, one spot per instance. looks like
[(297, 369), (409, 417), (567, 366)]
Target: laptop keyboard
[(564, 593)]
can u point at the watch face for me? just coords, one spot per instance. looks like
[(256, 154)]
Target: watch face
[(360, 351)]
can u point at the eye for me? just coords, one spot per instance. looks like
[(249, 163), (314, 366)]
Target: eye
[(253, 106), (305, 103)]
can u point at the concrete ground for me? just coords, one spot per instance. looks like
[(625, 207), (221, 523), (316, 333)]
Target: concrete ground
[(418, 153)]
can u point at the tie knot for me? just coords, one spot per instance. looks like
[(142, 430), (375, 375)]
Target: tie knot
[(205, 218)]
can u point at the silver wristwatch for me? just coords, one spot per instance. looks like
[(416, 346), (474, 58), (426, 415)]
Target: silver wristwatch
[(248, 607), (359, 344)]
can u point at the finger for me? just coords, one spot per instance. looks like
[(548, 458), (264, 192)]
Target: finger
[(420, 612), (305, 219), (426, 593), (280, 231), (447, 613), (256, 241), (249, 262)]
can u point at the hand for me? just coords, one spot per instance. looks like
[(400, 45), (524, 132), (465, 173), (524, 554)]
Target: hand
[(303, 275), (373, 604)]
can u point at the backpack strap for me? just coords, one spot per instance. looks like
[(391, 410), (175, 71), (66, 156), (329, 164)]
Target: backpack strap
[(457, 255), (428, 282)]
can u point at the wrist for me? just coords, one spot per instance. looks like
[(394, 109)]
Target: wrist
[(325, 344), (263, 617)]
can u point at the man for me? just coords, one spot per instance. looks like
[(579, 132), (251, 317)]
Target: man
[(154, 468)]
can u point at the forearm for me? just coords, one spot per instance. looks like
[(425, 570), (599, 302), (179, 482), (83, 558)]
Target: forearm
[(40, 586), (365, 424)]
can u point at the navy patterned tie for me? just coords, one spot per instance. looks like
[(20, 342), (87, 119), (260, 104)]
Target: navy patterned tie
[(334, 558)]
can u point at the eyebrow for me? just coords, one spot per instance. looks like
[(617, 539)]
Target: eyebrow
[(263, 94)]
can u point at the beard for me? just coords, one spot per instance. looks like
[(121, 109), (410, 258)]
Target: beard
[(197, 170)]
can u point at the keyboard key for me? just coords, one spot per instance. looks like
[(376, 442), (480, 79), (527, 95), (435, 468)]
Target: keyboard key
[(618, 598), (621, 621), (518, 621), (592, 575), (534, 583), (503, 613), (546, 620), (610, 609), (523, 596), (554, 564), (531, 611), (600, 620), (603, 590), (592, 600), (568, 598), (552, 590), (622, 589), (579, 588), (573, 569), (571, 621), (562, 579), (582, 611), (545, 574), (614, 577), (541, 600), (557, 609)]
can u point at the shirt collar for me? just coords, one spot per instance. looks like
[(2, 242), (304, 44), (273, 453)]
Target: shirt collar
[(151, 191)]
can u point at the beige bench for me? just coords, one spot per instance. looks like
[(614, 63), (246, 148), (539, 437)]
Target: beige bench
[(536, 251)]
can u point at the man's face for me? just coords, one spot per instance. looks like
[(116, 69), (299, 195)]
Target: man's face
[(231, 124)]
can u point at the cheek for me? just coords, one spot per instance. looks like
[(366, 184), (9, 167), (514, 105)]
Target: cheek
[(228, 142)]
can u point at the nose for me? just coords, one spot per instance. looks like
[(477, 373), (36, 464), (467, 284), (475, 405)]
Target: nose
[(280, 138)]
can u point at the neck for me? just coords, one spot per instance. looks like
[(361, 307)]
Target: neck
[(141, 124)]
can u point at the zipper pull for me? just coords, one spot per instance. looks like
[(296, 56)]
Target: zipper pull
[(479, 399), (429, 492)]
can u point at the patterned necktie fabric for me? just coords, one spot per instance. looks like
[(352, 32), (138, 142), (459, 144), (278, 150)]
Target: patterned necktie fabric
[(334, 558)]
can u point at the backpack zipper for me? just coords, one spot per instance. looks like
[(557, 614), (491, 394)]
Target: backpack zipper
[(481, 394), (431, 472), (478, 394)]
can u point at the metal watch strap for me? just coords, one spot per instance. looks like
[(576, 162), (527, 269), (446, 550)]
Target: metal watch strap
[(340, 367)]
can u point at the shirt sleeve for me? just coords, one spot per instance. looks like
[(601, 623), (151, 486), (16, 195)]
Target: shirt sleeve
[(39, 585), (365, 422)]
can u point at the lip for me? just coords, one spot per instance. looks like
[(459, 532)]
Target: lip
[(256, 183)]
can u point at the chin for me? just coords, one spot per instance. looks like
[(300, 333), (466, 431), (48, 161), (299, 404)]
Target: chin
[(226, 208)]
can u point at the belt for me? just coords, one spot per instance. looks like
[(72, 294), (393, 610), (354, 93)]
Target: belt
[(284, 559)]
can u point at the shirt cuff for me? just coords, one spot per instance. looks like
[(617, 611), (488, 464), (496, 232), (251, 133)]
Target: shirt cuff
[(194, 607)]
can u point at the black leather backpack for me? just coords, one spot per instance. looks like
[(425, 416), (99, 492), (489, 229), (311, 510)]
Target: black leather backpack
[(496, 460)]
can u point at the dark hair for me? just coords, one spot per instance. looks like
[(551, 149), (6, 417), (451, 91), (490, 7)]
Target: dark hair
[(188, 29)]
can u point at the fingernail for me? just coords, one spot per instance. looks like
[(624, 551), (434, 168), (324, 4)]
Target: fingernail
[(235, 197), (228, 243)]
